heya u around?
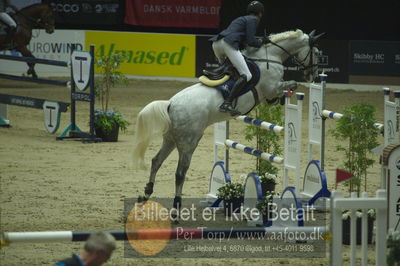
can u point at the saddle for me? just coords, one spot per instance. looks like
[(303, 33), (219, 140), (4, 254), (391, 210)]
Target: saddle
[(224, 77)]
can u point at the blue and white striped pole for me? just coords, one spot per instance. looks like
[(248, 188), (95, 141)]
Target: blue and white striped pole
[(337, 116), (263, 155), (262, 124)]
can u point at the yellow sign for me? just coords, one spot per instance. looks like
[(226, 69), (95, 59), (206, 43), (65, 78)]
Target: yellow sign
[(148, 54)]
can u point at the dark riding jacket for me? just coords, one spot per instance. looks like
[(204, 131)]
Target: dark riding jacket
[(240, 32)]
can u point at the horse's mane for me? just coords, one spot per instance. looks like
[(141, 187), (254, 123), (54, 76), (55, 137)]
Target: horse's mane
[(285, 35)]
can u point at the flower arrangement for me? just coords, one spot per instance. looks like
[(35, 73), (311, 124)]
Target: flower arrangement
[(231, 191), (393, 244), (108, 120)]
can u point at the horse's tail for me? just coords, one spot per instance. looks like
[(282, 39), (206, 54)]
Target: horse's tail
[(153, 120)]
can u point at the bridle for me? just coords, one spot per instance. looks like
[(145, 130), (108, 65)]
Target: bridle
[(301, 65)]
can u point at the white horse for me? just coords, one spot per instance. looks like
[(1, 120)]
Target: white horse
[(183, 119)]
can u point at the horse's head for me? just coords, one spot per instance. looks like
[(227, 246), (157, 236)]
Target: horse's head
[(47, 18), (306, 57), (41, 15), (299, 47), (310, 55)]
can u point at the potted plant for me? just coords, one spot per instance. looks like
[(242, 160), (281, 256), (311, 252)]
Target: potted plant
[(393, 244), (233, 196), (268, 183), (346, 226), (108, 122), (264, 205)]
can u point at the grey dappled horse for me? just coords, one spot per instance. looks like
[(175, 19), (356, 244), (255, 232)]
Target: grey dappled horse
[(183, 119)]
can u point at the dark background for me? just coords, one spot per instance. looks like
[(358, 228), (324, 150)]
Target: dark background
[(341, 20)]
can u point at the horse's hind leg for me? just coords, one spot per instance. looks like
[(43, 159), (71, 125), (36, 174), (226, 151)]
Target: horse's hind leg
[(185, 157), (167, 147)]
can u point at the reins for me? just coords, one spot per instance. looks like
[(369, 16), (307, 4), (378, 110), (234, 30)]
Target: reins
[(297, 61)]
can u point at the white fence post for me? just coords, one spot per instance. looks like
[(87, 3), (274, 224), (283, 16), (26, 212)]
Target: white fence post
[(381, 230), (336, 231), (338, 204), (364, 233)]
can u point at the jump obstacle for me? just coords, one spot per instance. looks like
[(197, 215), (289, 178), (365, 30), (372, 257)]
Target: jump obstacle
[(82, 76), (292, 151), (318, 116), (314, 187), (292, 135)]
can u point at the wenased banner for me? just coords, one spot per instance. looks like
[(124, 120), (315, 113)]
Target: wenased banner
[(166, 55), (173, 13)]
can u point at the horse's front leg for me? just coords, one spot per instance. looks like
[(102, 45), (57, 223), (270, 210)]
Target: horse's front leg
[(25, 52)]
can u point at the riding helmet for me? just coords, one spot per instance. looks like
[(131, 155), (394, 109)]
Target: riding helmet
[(255, 7)]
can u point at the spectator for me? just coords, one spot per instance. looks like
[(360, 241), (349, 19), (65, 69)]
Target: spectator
[(97, 250)]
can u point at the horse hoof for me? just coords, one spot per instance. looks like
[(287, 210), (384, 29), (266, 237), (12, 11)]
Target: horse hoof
[(148, 190), (142, 199)]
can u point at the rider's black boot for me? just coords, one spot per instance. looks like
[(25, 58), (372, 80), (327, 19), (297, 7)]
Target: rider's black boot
[(237, 87)]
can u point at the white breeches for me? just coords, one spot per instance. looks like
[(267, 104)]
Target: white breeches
[(4, 17), (223, 50)]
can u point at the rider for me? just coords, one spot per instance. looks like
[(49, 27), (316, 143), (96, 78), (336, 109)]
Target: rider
[(7, 19), (227, 43)]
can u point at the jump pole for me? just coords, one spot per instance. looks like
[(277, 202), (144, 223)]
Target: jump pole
[(172, 234)]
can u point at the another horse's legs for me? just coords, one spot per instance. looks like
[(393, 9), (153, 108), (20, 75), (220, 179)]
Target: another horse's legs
[(25, 52), (167, 147)]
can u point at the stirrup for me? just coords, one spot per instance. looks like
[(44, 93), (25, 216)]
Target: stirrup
[(227, 107)]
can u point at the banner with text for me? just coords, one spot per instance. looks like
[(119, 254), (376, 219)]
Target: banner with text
[(89, 12), (167, 55), (374, 58), (173, 13), (55, 46)]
